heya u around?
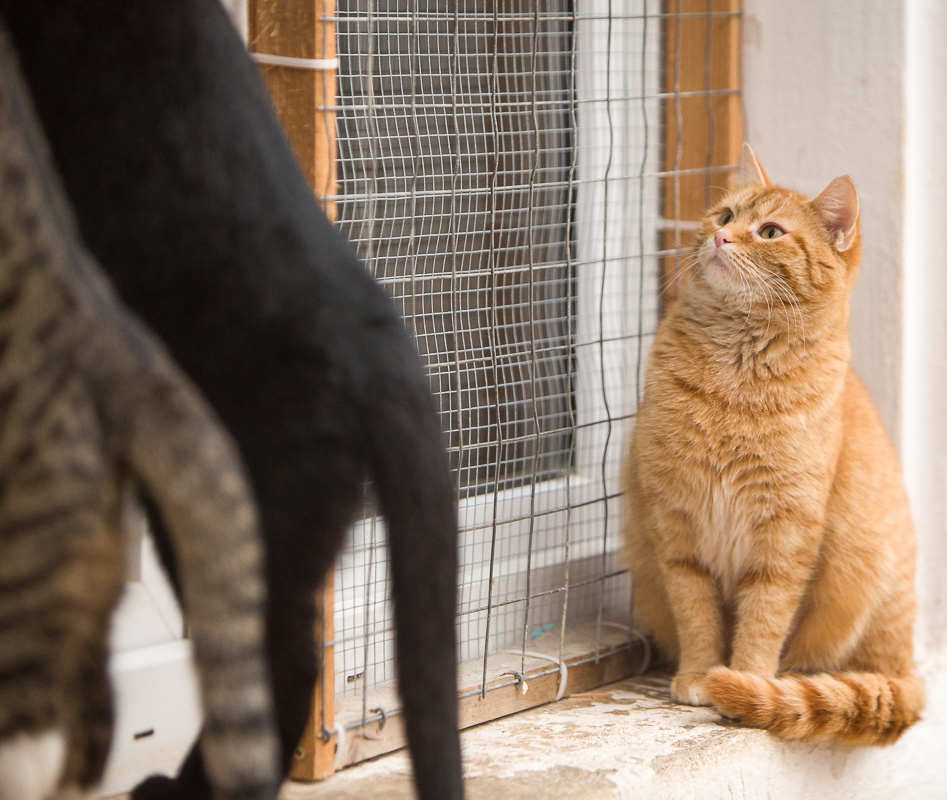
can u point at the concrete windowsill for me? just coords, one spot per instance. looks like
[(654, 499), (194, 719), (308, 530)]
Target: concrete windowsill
[(627, 740)]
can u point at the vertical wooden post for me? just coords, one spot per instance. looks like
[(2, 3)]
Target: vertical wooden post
[(305, 99), (702, 131), (305, 102), (315, 755)]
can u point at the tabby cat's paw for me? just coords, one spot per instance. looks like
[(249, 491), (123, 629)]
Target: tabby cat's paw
[(689, 688)]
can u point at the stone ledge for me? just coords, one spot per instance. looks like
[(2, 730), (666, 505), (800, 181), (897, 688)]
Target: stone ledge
[(628, 741)]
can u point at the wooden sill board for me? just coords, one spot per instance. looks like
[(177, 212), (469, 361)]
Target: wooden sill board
[(617, 659)]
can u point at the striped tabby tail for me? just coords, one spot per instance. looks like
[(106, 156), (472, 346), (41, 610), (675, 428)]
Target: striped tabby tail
[(177, 450), (855, 708)]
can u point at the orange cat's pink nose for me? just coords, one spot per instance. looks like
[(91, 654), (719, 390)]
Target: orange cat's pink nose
[(722, 237)]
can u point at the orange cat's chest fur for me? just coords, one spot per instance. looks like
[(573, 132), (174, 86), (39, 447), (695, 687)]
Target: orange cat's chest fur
[(727, 451)]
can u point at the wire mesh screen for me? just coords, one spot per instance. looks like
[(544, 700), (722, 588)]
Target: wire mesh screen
[(502, 171), (456, 147)]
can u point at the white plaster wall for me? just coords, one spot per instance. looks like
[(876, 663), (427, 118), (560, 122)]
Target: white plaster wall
[(924, 306), (824, 94)]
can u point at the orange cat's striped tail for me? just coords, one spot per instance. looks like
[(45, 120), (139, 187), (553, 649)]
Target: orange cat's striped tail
[(859, 708)]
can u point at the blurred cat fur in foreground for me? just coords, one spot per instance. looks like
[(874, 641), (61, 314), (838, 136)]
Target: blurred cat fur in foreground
[(91, 406)]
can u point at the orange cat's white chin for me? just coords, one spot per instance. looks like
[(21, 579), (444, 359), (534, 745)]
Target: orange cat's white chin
[(719, 272)]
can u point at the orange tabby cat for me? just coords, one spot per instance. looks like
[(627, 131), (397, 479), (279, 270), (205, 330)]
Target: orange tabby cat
[(768, 529)]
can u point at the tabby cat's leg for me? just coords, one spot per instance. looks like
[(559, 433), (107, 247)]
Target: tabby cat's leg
[(73, 568), (91, 736), (697, 606), (770, 591), (291, 647), (307, 493)]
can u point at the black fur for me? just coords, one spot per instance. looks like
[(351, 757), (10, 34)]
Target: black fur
[(187, 192)]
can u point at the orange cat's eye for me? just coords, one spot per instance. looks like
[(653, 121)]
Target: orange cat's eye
[(771, 231), (725, 218)]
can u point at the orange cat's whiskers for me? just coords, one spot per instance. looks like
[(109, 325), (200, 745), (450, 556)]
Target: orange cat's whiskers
[(748, 292), (757, 281), (774, 287), (745, 269), (686, 265), (798, 318), (784, 293)]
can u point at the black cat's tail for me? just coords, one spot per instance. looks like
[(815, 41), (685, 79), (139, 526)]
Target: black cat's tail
[(190, 470), (413, 485)]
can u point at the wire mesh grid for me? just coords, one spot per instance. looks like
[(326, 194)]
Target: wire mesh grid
[(502, 171)]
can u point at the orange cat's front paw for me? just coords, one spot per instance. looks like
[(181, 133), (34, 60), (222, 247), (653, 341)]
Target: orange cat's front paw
[(690, 689)]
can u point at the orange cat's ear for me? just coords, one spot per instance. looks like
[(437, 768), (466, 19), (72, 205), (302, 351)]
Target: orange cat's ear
[(749, 171), (838, 204)]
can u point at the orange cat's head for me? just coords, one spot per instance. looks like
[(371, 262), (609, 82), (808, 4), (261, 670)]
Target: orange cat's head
[(762, 242)]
